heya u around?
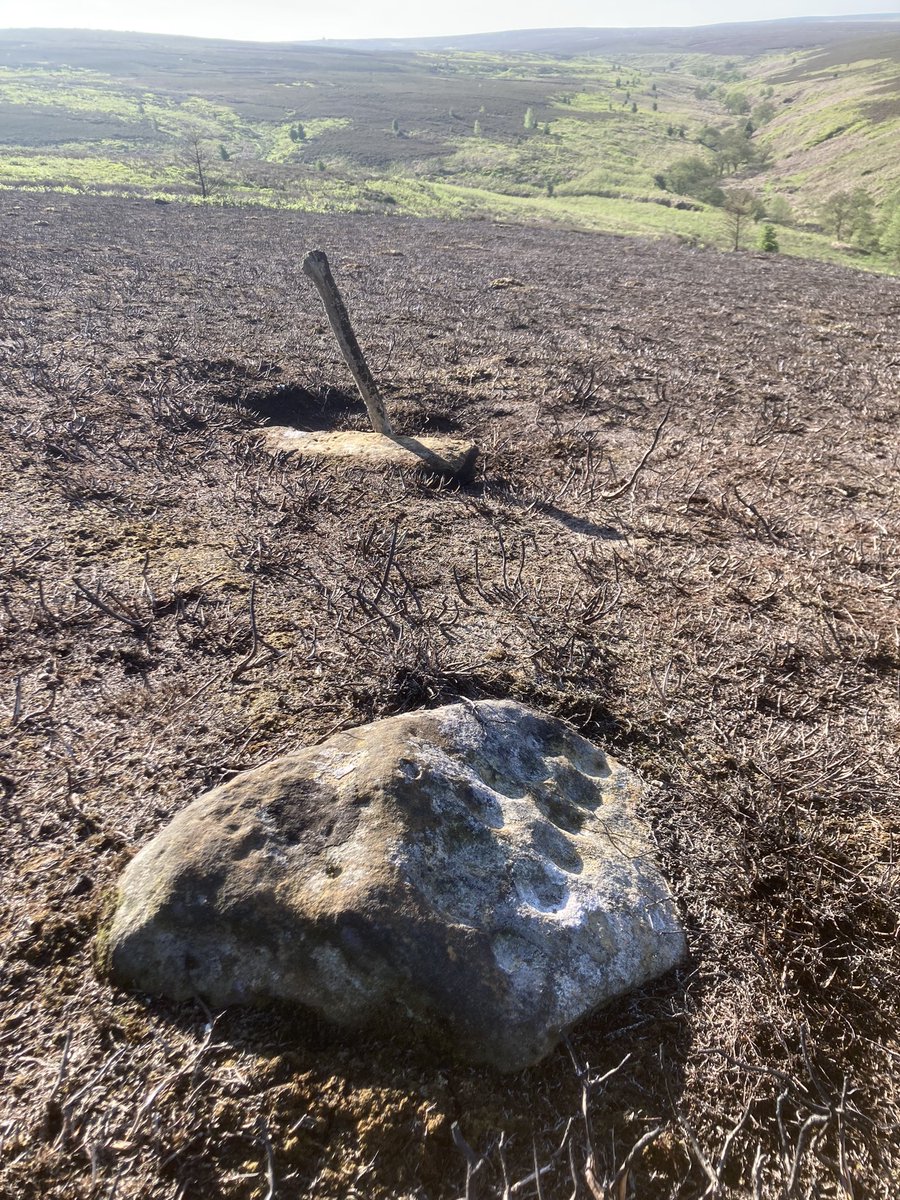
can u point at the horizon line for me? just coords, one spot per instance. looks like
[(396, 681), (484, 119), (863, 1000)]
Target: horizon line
[(325, 41)]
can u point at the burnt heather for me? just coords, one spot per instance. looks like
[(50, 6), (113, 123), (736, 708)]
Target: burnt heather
[(178, 605)]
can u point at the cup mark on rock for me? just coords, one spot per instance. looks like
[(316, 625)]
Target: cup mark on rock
[(542, 887), (562, 812), (552, 843)]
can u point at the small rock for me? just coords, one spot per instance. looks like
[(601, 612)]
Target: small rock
[(474, 874)]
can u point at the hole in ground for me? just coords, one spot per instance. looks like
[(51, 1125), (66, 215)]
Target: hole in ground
[(295, 407)]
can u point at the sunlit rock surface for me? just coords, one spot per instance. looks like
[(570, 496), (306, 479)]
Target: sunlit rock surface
[(476, 874)]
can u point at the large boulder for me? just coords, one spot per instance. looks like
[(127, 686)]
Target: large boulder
[(476, 873)]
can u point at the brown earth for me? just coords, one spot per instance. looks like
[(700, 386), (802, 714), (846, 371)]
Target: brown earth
[(178, 605)]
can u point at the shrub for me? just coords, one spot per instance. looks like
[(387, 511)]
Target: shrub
[(849, 214), (890, 233), (737, 103), (768, 239), (763, 113), (694, 177), (778, 209)]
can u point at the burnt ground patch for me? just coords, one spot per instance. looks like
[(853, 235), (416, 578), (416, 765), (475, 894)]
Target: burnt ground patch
[(177, 605)]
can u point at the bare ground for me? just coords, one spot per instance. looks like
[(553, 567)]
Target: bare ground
[(177, 606)]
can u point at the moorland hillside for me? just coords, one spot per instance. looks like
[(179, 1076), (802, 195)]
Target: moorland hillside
[(178, 605), (656, 132)]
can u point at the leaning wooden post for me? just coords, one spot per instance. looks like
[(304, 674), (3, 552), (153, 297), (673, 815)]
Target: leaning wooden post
[(315, 265), (443, 455)]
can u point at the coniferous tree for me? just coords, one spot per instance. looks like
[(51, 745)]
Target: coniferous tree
[(741, 207), (197, 160)]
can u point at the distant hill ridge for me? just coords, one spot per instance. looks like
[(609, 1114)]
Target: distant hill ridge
[(743, 37)]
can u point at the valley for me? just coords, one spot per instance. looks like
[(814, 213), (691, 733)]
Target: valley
[(647, 136)]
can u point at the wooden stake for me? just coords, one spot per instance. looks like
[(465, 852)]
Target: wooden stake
[(315, 265)]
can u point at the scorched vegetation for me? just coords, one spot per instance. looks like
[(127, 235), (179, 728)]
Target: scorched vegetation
[(178, 605)]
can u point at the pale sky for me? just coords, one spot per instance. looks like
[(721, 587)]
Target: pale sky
[(287, 20)]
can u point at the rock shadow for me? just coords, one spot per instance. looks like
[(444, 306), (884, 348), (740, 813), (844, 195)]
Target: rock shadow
[(318, 1082)]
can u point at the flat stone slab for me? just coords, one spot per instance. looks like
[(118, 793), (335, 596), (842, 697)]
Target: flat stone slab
[(442, 455), (475, 875)]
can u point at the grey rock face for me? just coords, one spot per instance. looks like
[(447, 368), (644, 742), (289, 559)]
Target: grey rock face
[(475, 872)]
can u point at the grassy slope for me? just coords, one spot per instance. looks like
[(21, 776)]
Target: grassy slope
[(107, 114), (839, 121)]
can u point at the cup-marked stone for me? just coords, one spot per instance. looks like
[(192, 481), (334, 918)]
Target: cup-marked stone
[(477, 873)]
